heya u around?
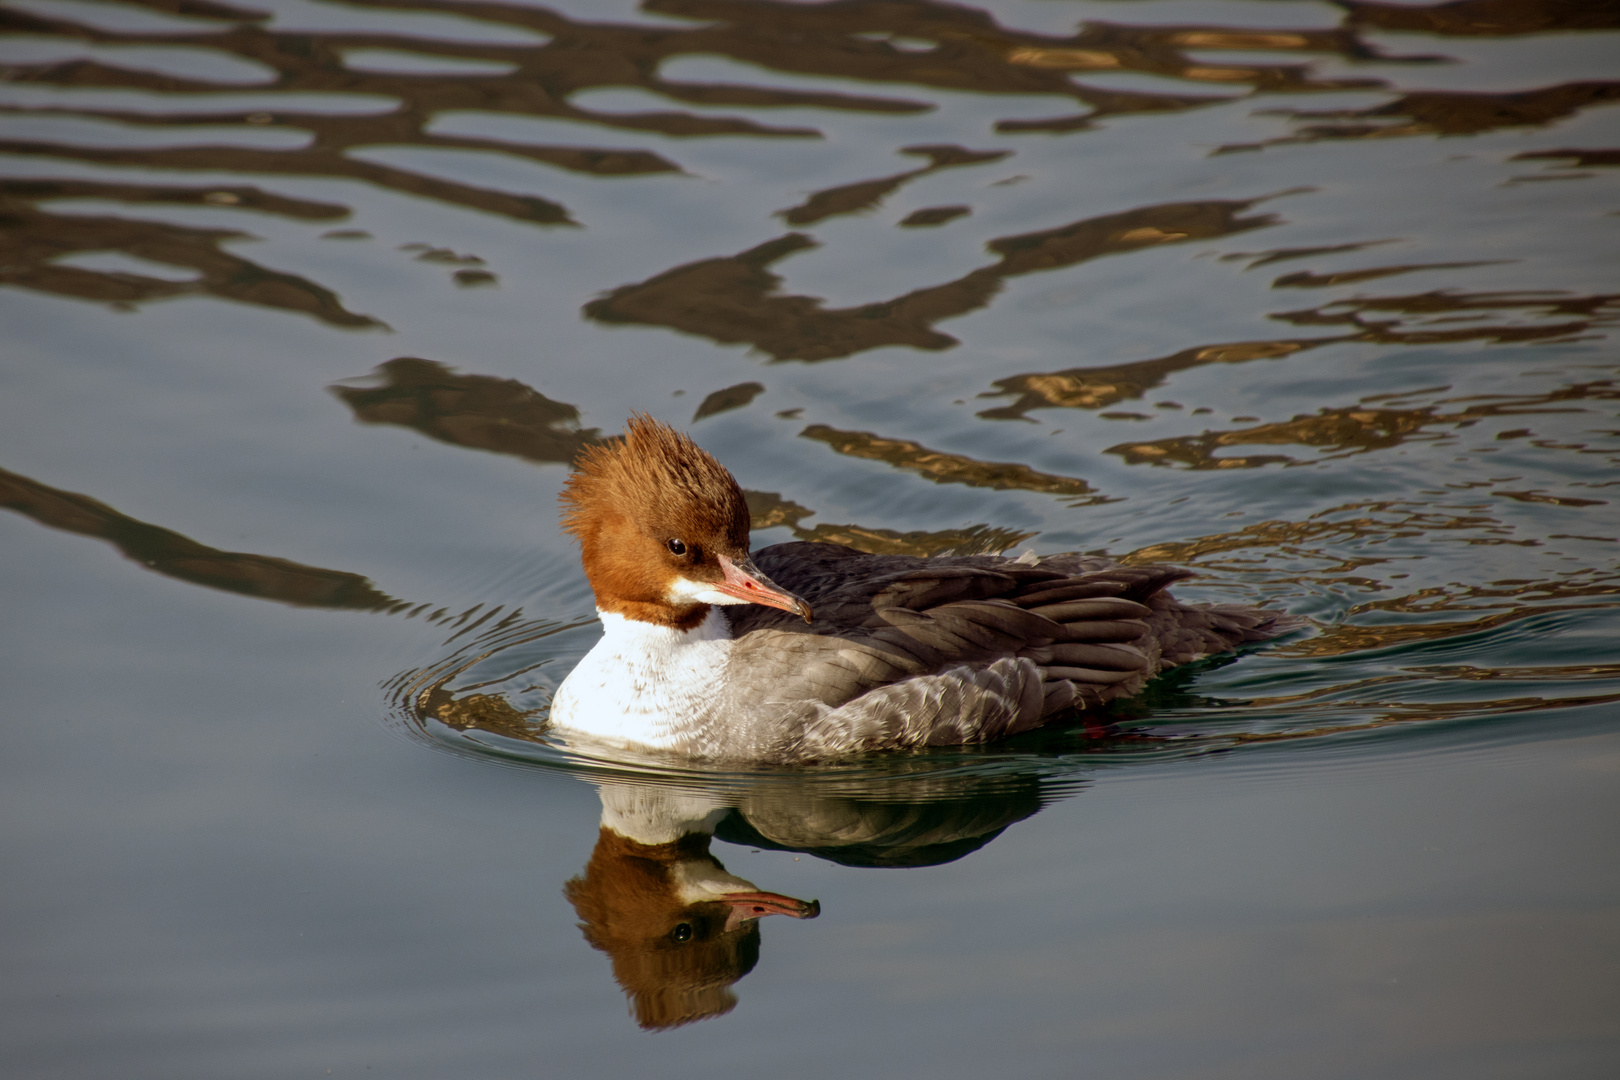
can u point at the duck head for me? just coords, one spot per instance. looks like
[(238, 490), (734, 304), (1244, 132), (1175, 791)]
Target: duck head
[(663, 530)]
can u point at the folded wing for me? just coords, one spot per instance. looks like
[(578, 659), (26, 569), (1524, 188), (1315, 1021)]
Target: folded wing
[(945, 651)]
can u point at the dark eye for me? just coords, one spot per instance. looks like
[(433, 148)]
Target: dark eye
[(681, 933), (676, 547)]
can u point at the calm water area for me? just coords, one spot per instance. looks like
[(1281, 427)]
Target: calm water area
[(307, 306)]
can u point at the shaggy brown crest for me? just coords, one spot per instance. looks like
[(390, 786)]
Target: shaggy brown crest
[(672, 479), (648, 508)]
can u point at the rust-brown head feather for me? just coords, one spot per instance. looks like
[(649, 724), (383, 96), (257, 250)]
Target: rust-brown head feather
[(651, 511), (671, 479)]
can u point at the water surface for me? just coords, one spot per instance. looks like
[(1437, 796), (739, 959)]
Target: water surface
[(308, 306)]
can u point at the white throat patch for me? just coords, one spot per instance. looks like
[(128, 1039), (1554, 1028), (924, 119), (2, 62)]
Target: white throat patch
[(643, 684)]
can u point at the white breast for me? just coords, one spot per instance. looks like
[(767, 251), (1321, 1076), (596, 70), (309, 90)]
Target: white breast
[(644, 685)]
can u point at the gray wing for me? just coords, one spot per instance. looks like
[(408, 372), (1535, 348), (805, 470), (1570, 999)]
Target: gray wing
[(944, 651)]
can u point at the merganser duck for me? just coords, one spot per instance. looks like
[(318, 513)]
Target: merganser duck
[(811, 651)]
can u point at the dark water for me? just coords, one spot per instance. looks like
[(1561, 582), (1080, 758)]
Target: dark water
[(1318, 298)]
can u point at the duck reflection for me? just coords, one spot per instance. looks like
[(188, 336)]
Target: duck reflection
[(680, 929)]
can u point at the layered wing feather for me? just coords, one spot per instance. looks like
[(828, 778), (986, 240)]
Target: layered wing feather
[(929, 652)]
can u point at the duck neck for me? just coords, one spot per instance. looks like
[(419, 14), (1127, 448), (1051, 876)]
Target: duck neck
[(634, 637), (645, 683)]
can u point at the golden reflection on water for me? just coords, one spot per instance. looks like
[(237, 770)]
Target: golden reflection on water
[(1367, 319), (967, 51), (1442, 113), (951, 468), (925, 45), (544, 72), (1368, 316), (1100, 387), (1360, 429)]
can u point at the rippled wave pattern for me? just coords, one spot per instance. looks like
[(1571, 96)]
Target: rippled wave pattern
[(1453, 537)]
